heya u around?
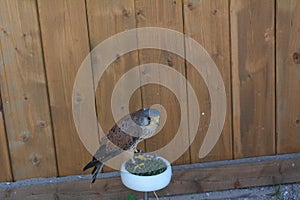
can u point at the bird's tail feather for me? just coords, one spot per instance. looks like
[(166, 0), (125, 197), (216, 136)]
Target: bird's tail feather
[(91, 164), (97, 168)]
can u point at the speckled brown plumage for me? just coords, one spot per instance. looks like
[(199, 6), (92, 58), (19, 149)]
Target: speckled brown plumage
[(124, 135)]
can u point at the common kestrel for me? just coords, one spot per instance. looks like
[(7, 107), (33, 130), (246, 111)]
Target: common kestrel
[(124, 135)]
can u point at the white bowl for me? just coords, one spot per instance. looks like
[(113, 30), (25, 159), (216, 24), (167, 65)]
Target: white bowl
[(146, 183)]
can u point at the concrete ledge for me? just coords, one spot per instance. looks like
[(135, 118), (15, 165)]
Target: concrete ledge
[(193, 178)]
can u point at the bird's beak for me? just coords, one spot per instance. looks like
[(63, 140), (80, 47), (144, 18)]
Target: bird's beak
[(156, 121)]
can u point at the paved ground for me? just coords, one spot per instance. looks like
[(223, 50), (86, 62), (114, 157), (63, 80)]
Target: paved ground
[(280, 192)]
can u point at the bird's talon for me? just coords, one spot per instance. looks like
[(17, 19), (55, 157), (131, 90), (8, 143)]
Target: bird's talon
[(133, 160), (142, 157), (138, 166), (138, 151)]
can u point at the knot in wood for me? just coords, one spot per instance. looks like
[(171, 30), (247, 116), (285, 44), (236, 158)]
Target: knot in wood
[(125, 13), (170, 62), (214, 11), (190, 6), (24, 136), (296, 57), (4, 31), (118, 56), (237, 184), (140, 13), (35, 159), (42, 124), (297, 122)]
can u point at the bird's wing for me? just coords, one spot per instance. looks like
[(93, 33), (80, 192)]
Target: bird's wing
[(128, 126), (116, 141)]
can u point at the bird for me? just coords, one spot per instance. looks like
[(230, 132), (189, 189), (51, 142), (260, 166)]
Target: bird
[(124, 136)]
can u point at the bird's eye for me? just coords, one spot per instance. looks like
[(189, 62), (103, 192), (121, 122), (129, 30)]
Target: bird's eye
[(149, 118)]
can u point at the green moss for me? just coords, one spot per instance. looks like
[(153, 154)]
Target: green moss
[(129, 197), (146, 165)]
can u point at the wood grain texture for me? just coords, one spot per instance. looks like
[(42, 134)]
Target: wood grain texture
[(207, 22), (245, 174), (5, 172), (186, 180), (65, 44), (166, 14), (288, 76), (119, 16), (24, 93), (253, 82)]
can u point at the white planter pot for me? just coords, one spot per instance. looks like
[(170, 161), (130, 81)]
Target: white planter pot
[(146, 183)]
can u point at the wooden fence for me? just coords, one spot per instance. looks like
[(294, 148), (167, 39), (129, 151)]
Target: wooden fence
[(255, 44)]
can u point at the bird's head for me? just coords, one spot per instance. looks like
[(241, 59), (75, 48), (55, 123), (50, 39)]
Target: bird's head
[(148, 118)]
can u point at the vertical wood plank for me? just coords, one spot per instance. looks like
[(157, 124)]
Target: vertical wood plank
[(5, 172), (166, 14), (252, 40), (118, 16), (65, 44), (207, 22), (288, 76), (24, 93)]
